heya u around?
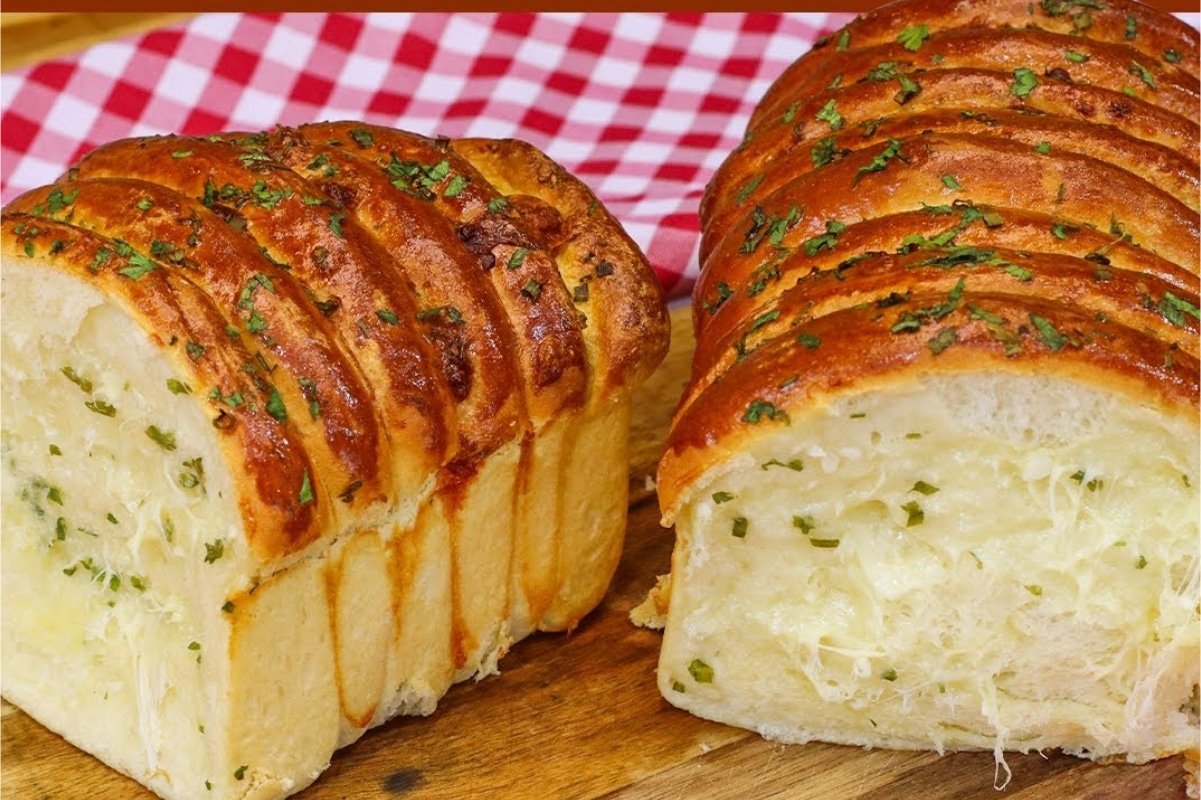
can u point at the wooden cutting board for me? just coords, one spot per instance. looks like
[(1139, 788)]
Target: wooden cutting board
[(579, 716)]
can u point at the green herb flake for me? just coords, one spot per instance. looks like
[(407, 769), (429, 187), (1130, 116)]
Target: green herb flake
[(1074, 57), (1143, 74), (739, 528), (1034, 589), (518, 257), (362, 137), (163, 439), (1172, 56), (305, 495), (677, 686), (914, 514), (228, 607), (808, 340), (101, 407), (497, 205), (722, 497), (213, 550), (796, 465), (240, 772), (889, 675), (749, 188), (1018, 272), (824, 151), (880, 161), (456, 186), (1173, 309), (1131, 27), (1141, 563), (83, 383), (790, 113), (1043, 148), (1052, 338), (145, 204), (181, 154), (921, 487), (1024, 82), (911, 38), (909, 89), (176, 386), (950, 182), (139, 265), (942, 340), (700, 671), (335, 224), (386, 316), (844, 40), (759, 409), (804, 522), (532, 289), (275, 406), (829, 114)]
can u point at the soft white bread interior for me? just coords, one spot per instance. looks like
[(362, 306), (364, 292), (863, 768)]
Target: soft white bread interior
[(289, 448), (934, 479)]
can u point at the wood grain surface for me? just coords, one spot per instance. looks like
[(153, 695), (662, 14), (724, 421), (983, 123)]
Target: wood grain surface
[(579, 716)]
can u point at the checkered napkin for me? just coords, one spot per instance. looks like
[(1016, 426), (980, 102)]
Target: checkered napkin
[(642, 106)]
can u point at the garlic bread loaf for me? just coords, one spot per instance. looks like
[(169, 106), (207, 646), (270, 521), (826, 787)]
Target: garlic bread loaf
[(301, 427), (934, 479)]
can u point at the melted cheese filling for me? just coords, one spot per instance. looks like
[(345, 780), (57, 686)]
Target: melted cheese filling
[(977, 562)]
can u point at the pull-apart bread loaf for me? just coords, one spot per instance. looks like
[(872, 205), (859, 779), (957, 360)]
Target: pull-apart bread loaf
[(935, 476), (299, 429)]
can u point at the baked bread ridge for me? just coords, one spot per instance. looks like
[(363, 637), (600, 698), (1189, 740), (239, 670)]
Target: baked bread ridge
[(202, 296), (943, 410), (1128, 23)]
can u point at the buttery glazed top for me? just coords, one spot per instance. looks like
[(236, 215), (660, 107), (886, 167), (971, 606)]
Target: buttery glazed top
[(423, 294), (952, 186)]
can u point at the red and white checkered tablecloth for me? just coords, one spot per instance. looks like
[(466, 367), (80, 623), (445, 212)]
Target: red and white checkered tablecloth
[(641, 106)]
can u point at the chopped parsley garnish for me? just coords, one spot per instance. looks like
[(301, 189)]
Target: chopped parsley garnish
[(532, 289), (362, 137), (305, 495), (951, 182), (759, 409), (824, 151), (722, 497), (921, 487), (1172, 56), (1173, 309), (880, 160), (909, 89), (518, 258), (1024, 82), (889, 675), (911, 38), (700, 671), (739, 528), (749, 187), (386, 316), (163, 439), (1143, 74), (335, 224), (456, 186), (101, 407), (497, 205), (829, 114), (796, 465), (809, 340), (1131, 27), (844, 40), (1052, 338), (826, 241), (942, 340), (1074, 57), (214, 550), (915, 515), (804, 522)]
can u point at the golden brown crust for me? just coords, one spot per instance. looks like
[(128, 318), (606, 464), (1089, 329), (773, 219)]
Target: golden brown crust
[(955, 229), (1045, 155), (371, 307), (617, 291), (193, 332), (860, 348), (1152, 33), (372, 278), (460, 315), (972, 91), (512, 255)]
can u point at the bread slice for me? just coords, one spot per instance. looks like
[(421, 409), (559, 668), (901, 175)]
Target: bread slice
[(934, 479), (295, 433)]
